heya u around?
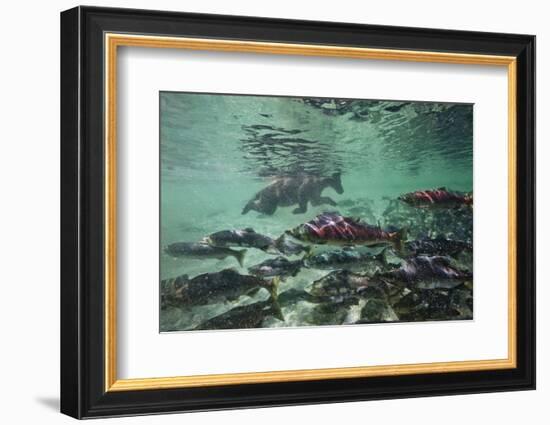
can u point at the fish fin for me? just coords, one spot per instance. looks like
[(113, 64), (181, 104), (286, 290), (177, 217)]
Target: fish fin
[(249, 229), (391, 228), (441, 188), (298, 269), (239, 255), (232, 298), (253, 291), (271, 249), (182, 277)]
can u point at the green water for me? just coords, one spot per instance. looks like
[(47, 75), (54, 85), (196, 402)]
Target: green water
[(217, 151)]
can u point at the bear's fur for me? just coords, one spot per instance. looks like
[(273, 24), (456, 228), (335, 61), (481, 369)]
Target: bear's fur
[(287, 191)]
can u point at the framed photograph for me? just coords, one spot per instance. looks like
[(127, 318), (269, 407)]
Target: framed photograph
[(261, 212)]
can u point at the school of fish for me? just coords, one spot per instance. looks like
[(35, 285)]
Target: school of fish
[(400, 272)]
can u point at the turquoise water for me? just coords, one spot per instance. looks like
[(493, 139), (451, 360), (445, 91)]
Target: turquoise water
[(218, 151)]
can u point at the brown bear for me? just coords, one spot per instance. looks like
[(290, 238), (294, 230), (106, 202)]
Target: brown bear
[(301, 189)]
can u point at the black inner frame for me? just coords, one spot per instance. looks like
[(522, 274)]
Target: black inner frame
[(82, 206)]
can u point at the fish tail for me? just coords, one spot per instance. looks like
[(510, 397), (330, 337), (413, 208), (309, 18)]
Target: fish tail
[(239, 255), (274, 298), (279, 242), (308, 252), (274, 287), (278, 313), (399, 240), (382, 257)]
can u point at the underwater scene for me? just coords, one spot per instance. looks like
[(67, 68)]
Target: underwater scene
[(299, 211)]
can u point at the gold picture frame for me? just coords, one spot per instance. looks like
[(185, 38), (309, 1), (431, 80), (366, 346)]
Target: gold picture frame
[(114, 41)]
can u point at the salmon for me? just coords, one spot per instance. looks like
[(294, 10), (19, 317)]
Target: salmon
[(334, 229)]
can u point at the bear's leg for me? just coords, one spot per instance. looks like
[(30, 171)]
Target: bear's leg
[(302, 207), (316, 201), (249, 206), (269, 209), (327, 200)]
